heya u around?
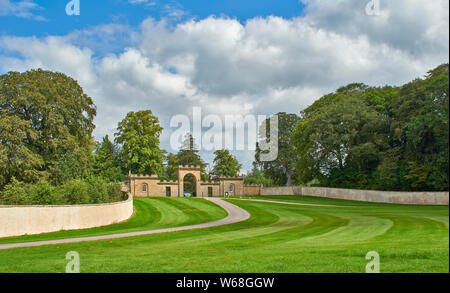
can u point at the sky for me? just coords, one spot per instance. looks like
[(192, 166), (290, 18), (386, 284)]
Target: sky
[(252, 57)]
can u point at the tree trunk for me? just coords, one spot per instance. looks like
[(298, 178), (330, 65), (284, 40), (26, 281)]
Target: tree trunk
[(289, 179)]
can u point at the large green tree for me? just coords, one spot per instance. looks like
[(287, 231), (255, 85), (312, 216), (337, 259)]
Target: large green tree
[(339, 139), (420, 133), (282, 169), (106, 161), (225, 164), (139, 136), (43, 116)]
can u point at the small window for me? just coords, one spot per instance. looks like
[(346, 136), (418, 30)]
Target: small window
[(231, 187), (168, 192), (144, 188)]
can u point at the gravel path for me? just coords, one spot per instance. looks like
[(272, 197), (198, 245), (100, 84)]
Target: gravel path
[(235, 215)]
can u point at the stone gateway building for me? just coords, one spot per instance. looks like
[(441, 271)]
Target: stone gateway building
[(152, 186)]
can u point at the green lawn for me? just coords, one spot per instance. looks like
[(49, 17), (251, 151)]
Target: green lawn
[(277, 238)]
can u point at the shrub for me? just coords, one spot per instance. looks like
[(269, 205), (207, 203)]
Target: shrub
[(93, 190), (115, 192), (16, 193), (43, 193), (76, 192), (98, 190)]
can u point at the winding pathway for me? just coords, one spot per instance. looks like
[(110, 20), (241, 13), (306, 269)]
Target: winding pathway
[(235, 215)]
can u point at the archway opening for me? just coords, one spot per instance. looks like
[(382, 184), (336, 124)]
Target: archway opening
[(189, 186)]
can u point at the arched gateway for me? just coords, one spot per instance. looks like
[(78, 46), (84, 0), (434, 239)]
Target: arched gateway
[(151, 186), (183, 172)]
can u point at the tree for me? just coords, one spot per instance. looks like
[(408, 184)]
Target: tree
[(43, 115), (187, 155), (339, 140), (68, 167), (16, 159), (139, 135), (282, 169), (420, 130), (387, 138), (257, 177), (225, 164), (172, 163), (106, 162)]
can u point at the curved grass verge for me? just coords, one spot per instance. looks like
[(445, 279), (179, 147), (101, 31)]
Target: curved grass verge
[(319, 200)]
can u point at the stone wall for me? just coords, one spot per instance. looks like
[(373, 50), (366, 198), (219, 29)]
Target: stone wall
[(284, 190), (233, 185), (252, 190), (152, 186), (22, 220), (423, 198), (204, 186)]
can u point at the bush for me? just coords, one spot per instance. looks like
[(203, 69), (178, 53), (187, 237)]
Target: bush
[(76, 192), (16, 193), (94, 190), (257, 177), (98, 190), (43, 193), (115, 192)]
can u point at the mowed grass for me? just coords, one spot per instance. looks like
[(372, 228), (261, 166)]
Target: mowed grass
[(277, 238)]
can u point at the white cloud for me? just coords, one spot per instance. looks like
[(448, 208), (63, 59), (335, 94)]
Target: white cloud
[(145, 2), (22, 9), (105, 38), (264, 66), (50, 53), (417, 27)]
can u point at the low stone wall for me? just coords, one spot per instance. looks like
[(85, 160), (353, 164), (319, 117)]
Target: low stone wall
[(421, 198), (28, 220), (252, 190), (284, 190)]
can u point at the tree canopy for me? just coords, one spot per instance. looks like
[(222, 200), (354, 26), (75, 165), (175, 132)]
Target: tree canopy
[(139, 135), (282, 169), (43, 116), (106, 163), (225, 164), (389, 138), (187, 155)]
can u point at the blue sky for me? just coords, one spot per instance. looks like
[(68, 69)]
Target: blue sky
[(254, 57), (95, 12)]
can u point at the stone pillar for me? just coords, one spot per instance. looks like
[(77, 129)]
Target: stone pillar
[(180, 187), (198, 189)]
